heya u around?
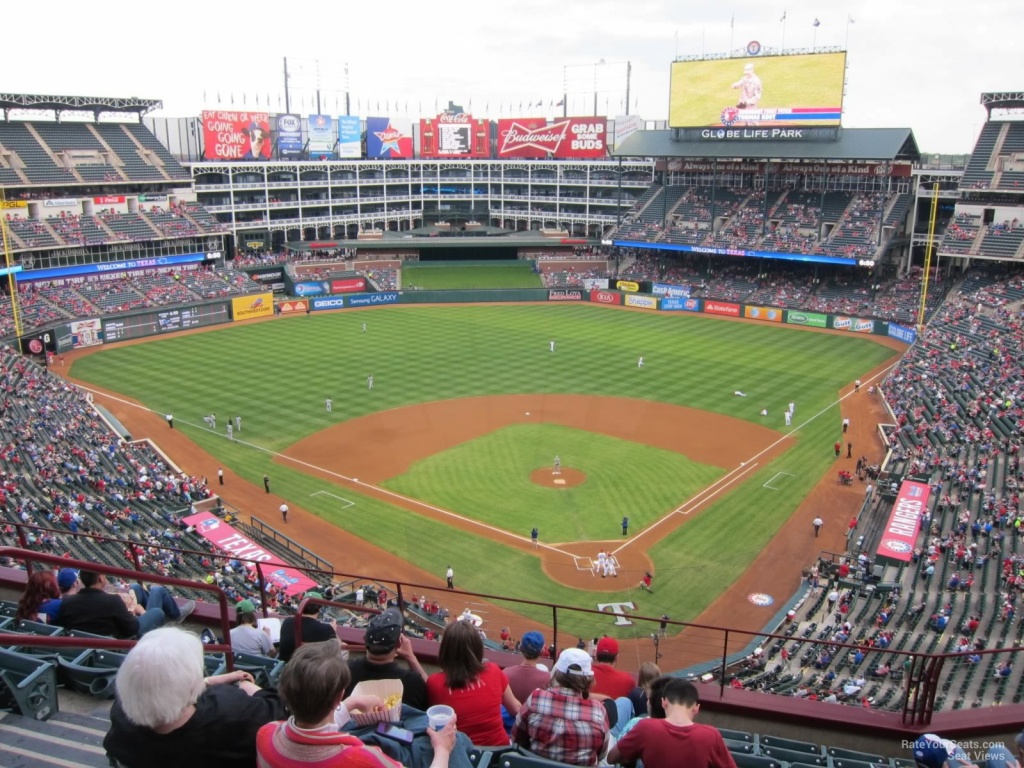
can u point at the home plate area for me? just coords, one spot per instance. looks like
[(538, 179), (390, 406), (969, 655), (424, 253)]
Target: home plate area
[(605, 564)]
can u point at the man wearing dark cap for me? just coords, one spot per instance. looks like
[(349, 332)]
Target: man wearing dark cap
[(94, 609), (313, 631), (258, 147), (529, 674), (384, 643)]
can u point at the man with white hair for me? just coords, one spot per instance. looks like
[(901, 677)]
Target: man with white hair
[(750, 88), (168, 714)]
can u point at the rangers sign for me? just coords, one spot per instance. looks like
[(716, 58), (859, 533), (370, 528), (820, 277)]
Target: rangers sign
[(572, 137)]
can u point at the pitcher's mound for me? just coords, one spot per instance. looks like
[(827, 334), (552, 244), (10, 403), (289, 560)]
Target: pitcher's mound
[(567, 477)]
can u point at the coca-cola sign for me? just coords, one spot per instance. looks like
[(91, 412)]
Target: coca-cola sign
[(455, 134), (573, 137)]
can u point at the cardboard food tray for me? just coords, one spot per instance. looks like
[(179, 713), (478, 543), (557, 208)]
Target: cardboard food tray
[(384, 689)]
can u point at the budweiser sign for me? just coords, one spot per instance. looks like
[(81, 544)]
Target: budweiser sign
[(530, 137), (572, 137)]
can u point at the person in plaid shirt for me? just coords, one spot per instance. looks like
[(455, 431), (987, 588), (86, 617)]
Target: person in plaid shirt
[(562, 722)]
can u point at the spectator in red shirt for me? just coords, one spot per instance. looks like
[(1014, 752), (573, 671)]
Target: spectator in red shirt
[(474, 688), (609, 681)]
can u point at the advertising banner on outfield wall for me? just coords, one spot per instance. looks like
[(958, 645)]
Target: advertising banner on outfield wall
[(855, 324), (294, 307), (672, 291), (310, 288), (644, 302), (595, 283), (605, 297), (680, 305), (248, 307), (812, 319), (86, 333), (331, 302), (230, 135), (227, 539), (348, 285), (900, 534), (762, 313), (629, 286), (565, 294), (373, 299), (721, 308), (268, 277), (902, 333)]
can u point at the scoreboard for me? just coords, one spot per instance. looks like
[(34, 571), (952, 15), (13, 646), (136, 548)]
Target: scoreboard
[(164, 321)]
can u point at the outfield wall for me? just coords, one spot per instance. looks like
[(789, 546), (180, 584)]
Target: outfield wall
[(153, 322)]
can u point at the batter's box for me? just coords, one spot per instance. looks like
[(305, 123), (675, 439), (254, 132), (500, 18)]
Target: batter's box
[(583, 563), (345, 503), (778, 481)]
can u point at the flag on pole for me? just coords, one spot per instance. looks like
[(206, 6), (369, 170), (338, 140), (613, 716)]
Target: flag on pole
[(850, 20), (783, 17), (560, 103), (816, 23), (732, 22)]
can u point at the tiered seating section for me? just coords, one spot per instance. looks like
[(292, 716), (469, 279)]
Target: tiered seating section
[(835, 224), (43, 304), (74, 153)]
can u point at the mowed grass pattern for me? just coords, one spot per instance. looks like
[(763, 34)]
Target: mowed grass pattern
[(512, 275), (276, 374), (488, 479)]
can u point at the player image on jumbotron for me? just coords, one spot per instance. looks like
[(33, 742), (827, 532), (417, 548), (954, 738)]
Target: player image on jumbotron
[(750, 88)]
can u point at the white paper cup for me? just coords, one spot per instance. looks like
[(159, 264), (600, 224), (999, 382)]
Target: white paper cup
[(439, 715)]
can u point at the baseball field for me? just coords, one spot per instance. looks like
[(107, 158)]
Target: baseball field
[(448, 459)]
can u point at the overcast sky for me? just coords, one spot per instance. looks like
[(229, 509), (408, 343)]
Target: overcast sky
[(912, 63)]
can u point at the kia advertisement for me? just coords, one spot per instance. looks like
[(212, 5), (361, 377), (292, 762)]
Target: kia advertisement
[(721, 308), (289, 136), (388, 137), (605, 297), (571, 137), (236, 135), (455, 134)]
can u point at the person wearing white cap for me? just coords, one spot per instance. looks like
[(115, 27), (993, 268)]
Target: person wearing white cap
[(561, 722), (750, 88)]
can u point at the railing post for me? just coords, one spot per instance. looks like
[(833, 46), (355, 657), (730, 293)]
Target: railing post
[(554, 628), (725, 656), (263, 588), (23, 542)]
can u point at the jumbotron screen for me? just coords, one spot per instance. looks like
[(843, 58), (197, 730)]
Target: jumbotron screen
[(776, 91)]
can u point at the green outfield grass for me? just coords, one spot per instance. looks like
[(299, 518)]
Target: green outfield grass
[(277, 374), (488, 479), (506, 275)]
